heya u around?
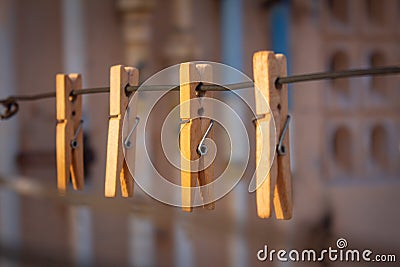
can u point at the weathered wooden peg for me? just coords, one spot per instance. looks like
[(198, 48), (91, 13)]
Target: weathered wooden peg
[(69, 133), (194, 129), (116, 165), (267, 68)]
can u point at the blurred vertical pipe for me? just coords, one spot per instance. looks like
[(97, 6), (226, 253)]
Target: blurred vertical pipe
[(232, 51), (75, 62), (74, 37), (238, 244), (280, 32), (231, 31), (184, 247), (232, 55), (9, 201), (141, 242)]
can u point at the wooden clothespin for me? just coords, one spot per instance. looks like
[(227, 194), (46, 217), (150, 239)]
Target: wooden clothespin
[(267, 68), (116, 166), (69, 133), (192, 134)]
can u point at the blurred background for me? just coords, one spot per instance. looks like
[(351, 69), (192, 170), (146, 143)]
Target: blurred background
[(344, 134)]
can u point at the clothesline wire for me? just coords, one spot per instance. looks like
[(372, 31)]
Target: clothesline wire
[(11, 103)]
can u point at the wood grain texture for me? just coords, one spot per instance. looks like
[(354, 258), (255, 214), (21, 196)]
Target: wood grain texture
[(283, 203), (267, 68), (69, 115), (116, 166), (191, 134), (207, 175), (263, 69)]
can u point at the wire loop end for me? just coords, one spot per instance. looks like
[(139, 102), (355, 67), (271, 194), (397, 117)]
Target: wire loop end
[(11, 108)]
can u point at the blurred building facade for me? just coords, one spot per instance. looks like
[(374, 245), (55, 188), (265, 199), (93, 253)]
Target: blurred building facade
[(345, 133), (352, 165)]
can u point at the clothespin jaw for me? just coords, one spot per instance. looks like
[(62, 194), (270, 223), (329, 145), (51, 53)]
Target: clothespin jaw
[(116, 166), (69, 134), (191, 134), (277, 186)]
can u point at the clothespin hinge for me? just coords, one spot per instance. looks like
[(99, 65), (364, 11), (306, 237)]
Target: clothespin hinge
[(258, 117)]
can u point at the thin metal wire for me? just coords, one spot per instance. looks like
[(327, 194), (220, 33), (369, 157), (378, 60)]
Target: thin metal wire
[(87, 91), (337, 74), (11, 104), (201, 87), (212, 87), (16, 98)]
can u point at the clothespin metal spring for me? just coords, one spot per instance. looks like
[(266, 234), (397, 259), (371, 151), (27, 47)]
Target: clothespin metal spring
[(127, 142), (74, 142), (281, 148), (202, 149)]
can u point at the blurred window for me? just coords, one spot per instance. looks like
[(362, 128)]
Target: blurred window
[(340, 61), (376, 11), (379, 146), (339, 10), (342, 148)]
